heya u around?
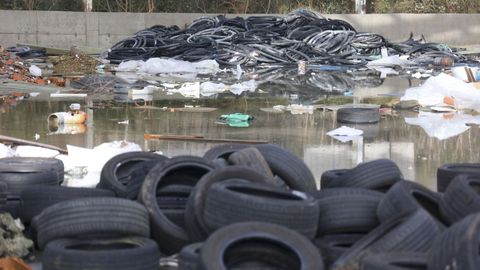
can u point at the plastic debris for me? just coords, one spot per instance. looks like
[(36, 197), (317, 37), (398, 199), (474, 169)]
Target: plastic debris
[(239, 88), (35, 71), (236, 120), (389, 61), (443, 126), (209, 89), (35, 151), (345, 134), (132, 65), (6, 151), (445, 90), (125, 122), (300, 109)]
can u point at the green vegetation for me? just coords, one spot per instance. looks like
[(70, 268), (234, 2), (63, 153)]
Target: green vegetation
[(250, 6)]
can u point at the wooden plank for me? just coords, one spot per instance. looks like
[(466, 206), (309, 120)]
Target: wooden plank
[(198, 139), (16, 141)]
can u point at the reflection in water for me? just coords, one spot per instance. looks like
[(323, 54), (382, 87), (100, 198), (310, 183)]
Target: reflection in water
[(417, 154)]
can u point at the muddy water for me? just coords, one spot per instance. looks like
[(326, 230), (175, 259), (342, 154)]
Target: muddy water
[(417, 154)]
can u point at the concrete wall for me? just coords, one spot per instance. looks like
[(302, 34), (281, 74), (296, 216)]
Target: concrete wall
[(63, 29)]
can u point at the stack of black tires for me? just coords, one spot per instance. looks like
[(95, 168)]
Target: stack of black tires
[(245, 207)]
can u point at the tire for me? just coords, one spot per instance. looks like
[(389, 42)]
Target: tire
[(19, 173), (457, 247), (407, 197), (173, 197), (252, 158), (189, 257), (236, 201), (183, 170), (347, 210), (116, 173), (223, 151), (447, 172), (37, 198), (267, 245), (395, 261), (461, 198), (333, 246), (92, 216), (108, 254), (378, 174), (411, 233), (196, 227), (135, 180), (288, 167), (329, 177), (358, 115)]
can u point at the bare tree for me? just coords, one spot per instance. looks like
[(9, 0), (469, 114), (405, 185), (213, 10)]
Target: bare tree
[(29, 4), (151, 5)]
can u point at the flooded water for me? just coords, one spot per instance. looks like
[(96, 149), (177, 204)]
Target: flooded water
[(417, 154)]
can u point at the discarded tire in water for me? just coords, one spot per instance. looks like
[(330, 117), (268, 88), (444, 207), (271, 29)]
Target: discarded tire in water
[(447, 172), (358, 115)]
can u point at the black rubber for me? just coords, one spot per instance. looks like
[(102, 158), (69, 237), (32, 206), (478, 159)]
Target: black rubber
[(407, 197), (447, 172), (378, 174), (411, 233), (358, 115), (457, 247), (92, 216), (252, 158), (266, 246), (189, 257), (117, 172), (108, 254), (333, 246), (329, 177), (37, 198), (395, 261), (236, 201), (135, 180), (196, 227), (288, 167), (182, 170), (461, 198), (19, 173), (223, 151), (347, 210)]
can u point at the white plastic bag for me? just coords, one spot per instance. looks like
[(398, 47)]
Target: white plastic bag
[(132, 65), (435, 89), (35, 71), (6, 151), (159, 65), (239, 88), (209, 89)]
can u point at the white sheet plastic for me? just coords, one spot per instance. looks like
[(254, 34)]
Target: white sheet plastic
[(169, 66), (394, 60), (35, 151), (435, 89), (6, 151), (239, 88), (443, 126), (209, 89), (131, 66), (191, 90), (345, 134)]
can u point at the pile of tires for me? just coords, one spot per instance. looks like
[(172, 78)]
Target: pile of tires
[(244, 207)]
